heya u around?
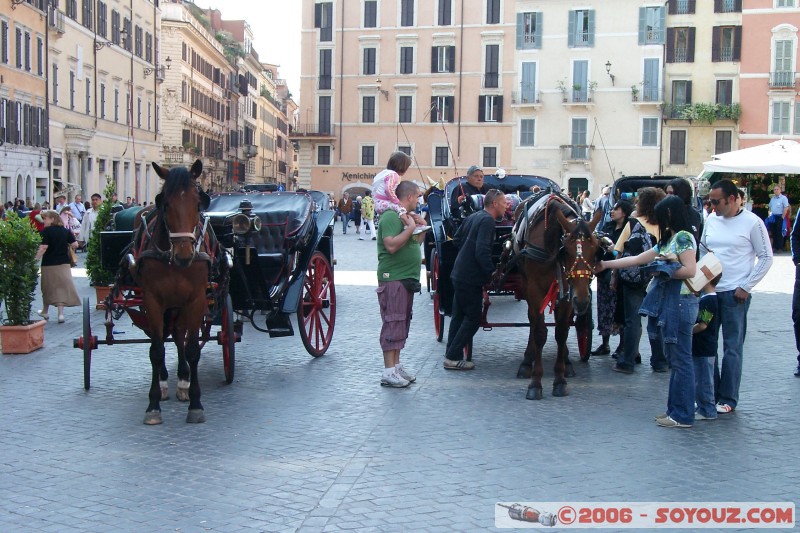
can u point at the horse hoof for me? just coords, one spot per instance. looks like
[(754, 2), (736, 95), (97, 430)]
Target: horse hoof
[(560, 390), (534, 393), (524, 372), (182, 394), (153, 418), (569, 371), (195, 416)]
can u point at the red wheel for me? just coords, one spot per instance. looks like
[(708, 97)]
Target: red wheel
[(227, 338), (583, 331), (316, 313), (438, 317)]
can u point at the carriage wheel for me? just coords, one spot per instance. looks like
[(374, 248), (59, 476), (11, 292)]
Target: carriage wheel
[(438, 317), (316, 313), (583, 331), (227, 338), (87, 343)]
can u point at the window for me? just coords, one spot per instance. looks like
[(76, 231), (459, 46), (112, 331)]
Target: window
[(681, 7), (367, 109), (442, 108), (580, 80), (88, 14), (404, 111), (103, 100), (784, 3), (652, 22), (677, 147), (581, 28), (443, 59), (489, 156), (139, 112), (128, 41), (780, 118), (323, 19), (492, 11), (27, 51), (724, 92), (529, 31), (681, 92), (325, 69), (148, 47), (528, 83), (323, 155), (368, 155), (115, 27), (102, 19), (782, 75), (579, 149), (368, 66), (651, 85), (18, 47), (727, 6), (490, 108), (650, 131), (680, 45), (406, 12), (371, 14), (116, 105), (441, 156), (324, 114), (4, 42), (406, 60), (491, 76), (797, 118), (527, 131), (445, 14), (138, 48), (39, 56), (55, 84), (88, 98), (726, 43), (405, 149), (72, 9), (722, 141), (71, 89)]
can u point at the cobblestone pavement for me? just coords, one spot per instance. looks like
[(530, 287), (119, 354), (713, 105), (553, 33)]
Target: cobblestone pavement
[(303, 444)]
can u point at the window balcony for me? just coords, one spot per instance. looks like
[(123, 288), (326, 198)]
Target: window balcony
[(707, 113), (648, 95), (576, 152), (781, 80), (681, 54), (726, 53), (728, 6), (322, 131), (582, 38), (526, 97), (684, 7)]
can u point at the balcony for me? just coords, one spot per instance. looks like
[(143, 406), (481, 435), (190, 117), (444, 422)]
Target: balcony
[(681, 54), (582, 38), (576, 152), (781, 80), (321, 131), (728, 6), (684, 7), (702, 112), (526, 97), (647, 96), (726, 53)]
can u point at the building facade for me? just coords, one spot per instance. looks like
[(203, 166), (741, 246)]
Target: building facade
[(23, 101), (769, 72), (104, 81)]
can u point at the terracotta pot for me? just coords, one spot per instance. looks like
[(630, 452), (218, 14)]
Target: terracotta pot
[(101, 291), (22, 339)]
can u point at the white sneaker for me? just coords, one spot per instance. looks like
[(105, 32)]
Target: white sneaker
[(411, 378), (391, 379), (420, 229)]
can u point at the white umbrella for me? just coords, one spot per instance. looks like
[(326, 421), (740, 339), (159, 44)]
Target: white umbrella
[(779, 157)]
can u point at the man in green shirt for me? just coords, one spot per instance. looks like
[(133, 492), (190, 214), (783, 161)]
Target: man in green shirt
[(399, 260)]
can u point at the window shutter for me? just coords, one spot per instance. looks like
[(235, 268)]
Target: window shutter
[(434, 59), (434, 111), (450, 103), (481, 108), (520, 31), (737, 6), (571, 29), (26, 124), (317, 15), (737, 43), (716, 33), (498, 102), (537, 34), (670, 45), (690, 46), (45, 136), (662, 17), (672, 7), (717, 6), (688, 92), (642, 25), (692, 6), (451, 53), (591, 27)]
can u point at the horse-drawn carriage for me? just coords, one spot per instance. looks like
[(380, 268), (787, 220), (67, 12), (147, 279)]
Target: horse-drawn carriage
[(196, 262), (560, 267)]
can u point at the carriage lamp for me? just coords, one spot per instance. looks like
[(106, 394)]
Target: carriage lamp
[(241, 224)]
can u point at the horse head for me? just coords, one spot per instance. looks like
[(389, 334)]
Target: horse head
[(179, 204), (579, 247)]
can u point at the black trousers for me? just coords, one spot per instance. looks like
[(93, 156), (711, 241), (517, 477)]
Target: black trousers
[(777, 234), (467, 310), (796, 310)]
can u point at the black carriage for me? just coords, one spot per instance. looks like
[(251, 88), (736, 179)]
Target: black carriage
[(275, 260), (440, 251)]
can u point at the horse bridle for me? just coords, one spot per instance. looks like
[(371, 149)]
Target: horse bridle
[(194, 237), (585, 270)]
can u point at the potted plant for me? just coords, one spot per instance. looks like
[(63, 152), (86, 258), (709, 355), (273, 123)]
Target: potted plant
[(99, 277), (562, 86), (635, 92), (19, 274), (592, 87)]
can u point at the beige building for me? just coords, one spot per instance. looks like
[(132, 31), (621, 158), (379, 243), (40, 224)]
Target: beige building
[(701, 112), (23, 102), (104, 81)]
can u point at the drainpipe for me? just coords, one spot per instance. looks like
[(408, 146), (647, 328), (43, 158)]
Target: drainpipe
[(341, 77), (460, 82), (663, 95), (46, 72)]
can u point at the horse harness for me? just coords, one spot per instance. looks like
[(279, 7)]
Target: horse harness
[(145, 244)]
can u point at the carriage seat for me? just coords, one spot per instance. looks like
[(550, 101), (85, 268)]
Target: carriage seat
[(282, 232), (124, 219)]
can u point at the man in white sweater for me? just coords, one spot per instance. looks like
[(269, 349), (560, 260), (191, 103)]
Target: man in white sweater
[(740, 240)]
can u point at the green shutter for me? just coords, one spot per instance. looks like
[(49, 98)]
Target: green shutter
[(571, 29), (642, 25), (537, 34), (520, 31), (591, 27), (662, 24)]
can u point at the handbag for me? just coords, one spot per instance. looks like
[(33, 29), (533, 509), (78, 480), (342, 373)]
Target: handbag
[(708, 268), (73, 257)]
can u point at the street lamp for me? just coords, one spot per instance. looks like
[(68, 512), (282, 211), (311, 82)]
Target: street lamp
[(123, 35), (150, 70), (384, 92), (608, 71)]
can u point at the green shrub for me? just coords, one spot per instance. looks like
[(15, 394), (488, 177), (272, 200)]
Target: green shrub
[(19, 269)]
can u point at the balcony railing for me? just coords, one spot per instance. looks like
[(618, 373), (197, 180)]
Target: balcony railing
[(315, 130), (726, 53), (728, 6), (701, 111), (654, 36), (491, 80), (781, 80), (684, 7), (525, 97), (579, 96), (581, 38), (174, 158), (576, 152), (681, 54)]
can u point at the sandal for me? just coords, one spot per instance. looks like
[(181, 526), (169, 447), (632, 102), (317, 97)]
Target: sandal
[(43, 315)]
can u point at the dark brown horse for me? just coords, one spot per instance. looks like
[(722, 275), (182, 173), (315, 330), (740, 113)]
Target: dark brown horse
[(173, 282), (559, 254)]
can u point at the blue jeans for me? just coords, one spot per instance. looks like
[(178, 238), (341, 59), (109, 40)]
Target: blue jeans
[(632, 297), (704, 385), (733, 324), (345, 221), (680, 403), (658, 358)]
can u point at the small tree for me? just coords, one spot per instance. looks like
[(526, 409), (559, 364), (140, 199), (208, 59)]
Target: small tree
[(19, 269), (94, 264)]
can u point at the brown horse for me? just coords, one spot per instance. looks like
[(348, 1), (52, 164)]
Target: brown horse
[(173, 284), (559, 254)]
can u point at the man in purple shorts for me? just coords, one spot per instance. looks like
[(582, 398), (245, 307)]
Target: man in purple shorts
[(399, 259)]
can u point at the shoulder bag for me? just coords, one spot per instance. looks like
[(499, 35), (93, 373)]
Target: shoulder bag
[(708, 268)]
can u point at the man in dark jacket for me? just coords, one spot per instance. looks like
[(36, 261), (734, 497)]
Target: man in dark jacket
[(473, 185), (345, 207), (472, 270)]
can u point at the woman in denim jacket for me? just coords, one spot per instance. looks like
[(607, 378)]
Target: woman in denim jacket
[(670, 306)]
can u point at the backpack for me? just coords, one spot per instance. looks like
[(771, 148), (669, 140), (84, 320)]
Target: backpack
[(639, 241)]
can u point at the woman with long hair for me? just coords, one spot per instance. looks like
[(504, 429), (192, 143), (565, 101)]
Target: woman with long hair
[(671, 307), (57, 286)]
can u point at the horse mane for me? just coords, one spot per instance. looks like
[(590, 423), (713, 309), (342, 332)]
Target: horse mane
[(178, 179)]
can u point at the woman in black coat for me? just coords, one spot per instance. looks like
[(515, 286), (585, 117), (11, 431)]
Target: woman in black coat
[(57, 286)]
